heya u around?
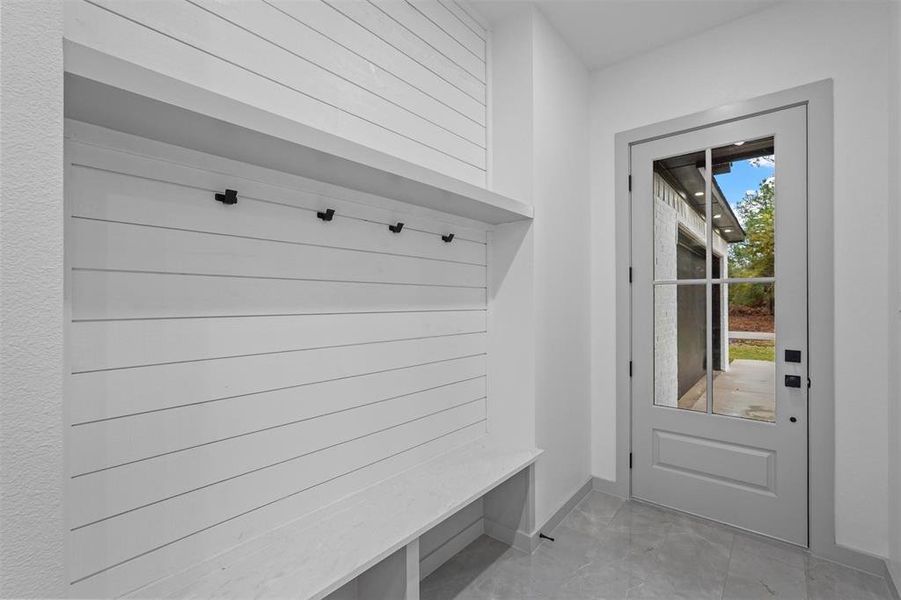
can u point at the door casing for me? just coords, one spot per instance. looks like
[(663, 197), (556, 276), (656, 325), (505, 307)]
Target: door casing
[(818, 97)]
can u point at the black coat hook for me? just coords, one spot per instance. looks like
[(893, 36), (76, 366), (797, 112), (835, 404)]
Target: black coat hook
[(448, 238), (396, 228), (327, 215), (229, 197)]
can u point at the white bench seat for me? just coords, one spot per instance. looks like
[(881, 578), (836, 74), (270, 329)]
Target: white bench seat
[(321, 552)]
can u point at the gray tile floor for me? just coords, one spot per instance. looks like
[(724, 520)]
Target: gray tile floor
[(609, 549)]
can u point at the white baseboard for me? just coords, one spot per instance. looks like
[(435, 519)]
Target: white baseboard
[(528, 541), (565, 508), (521, 540), (854, 559), (620, 489)]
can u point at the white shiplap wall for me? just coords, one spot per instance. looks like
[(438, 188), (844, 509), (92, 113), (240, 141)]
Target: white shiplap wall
[(406, 78), (235, 367)]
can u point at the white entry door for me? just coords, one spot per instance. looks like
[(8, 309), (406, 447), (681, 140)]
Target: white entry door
[(719, 323)]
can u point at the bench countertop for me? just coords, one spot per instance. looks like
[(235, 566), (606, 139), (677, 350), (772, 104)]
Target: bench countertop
[(317, 554)]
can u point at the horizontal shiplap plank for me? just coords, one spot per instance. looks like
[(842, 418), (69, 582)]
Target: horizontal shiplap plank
[(307, 44), (356, 38), (98, 345), (116, 295), (105, 195), (130, 40), (196, 424), (176, 556), (449, 23), (113, 541), (102, 394), (219, 38), (465, 17), (163, 163), (101, 245), (470, 59), (210, 408), (383, 25), (156, 476)]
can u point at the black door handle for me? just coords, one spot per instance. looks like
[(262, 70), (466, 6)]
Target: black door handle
[(793, 381)]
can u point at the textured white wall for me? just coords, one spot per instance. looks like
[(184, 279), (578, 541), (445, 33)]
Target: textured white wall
[(800, 43), (31, 299), (894, 423)]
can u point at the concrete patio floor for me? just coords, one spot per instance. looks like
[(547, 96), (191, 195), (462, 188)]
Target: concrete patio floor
[(746, 390)]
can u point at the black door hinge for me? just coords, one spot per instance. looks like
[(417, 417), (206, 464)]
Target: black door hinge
[(630, 182), (630, 368), (630, 274), (808, 383), (630, 460)]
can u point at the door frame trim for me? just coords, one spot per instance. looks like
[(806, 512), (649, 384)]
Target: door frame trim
[(818, 98)]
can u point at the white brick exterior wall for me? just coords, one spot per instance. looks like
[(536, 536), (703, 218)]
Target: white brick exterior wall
[(671, 212), (666, 232)]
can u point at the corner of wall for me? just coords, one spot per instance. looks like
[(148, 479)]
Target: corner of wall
[(894, 384), (32, 555), (511, 248), (539, 100), (511, 107), (562, 292)]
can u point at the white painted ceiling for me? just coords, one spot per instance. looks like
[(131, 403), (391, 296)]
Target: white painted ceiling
[(604, 32)]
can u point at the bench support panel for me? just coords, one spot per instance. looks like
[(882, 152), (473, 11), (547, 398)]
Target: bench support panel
[(412, 571), (394, 578), (510, 511)]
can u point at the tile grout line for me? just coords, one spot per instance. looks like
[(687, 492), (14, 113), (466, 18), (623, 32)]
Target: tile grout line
[(728, 568)]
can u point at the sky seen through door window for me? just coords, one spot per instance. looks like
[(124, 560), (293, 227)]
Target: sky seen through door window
[(745, 176)]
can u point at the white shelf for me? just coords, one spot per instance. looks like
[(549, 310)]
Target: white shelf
[(109, 92)]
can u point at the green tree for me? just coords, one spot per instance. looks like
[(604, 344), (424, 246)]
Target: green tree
[(754, 256)]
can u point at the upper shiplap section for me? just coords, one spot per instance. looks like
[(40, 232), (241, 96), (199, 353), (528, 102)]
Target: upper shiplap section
[(405, 78)]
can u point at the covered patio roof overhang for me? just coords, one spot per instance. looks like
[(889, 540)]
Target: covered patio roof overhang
[(686, 174)]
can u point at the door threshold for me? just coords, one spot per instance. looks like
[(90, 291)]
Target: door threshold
[(731, 528)]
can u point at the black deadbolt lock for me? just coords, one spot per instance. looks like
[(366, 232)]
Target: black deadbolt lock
[(793, 381), (793, 356)]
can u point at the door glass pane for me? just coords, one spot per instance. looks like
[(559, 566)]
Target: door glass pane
[(739, 354), (680, 346), (679, 218), (744, 355), (743, 206)]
